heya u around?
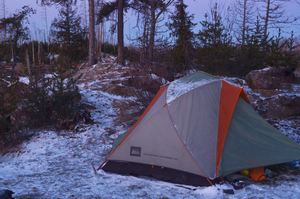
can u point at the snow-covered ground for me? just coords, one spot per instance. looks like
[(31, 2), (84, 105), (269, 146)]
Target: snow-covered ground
[(59, 164)]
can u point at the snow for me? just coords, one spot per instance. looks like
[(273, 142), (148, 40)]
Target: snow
[(179, 87), (8, 83), (162, 80), (59, 164), (24, 80), (49, 76), (290, 95), (264, 69)]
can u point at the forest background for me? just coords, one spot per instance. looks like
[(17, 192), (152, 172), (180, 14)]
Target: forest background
[(231, 39)]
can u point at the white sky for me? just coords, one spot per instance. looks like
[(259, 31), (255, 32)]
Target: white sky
[(196, 7)]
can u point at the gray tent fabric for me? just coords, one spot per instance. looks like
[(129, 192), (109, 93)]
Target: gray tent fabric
[(183, 85), (197, 123), (155, 108), (157, 144), (252, 142)]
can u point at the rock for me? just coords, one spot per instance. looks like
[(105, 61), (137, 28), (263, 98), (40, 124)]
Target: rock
[(267, 93), (6, 194), (261, 79), (290, 100), (270, 78), (72, 127), (87, 118), (272, 99), (65, 124), (279, 106)]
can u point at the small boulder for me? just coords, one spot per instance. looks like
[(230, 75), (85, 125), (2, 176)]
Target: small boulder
[(279, 106), (72, 127), (292, 100), (261, 79), (270, 78), (267, 93)]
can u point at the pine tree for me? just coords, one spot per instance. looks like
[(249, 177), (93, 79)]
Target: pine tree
[(275, 50), (15, 25), (69, 3), (282, 52), (181, 29), (252, 55), (67, 31), (291, 57), (215, 44)]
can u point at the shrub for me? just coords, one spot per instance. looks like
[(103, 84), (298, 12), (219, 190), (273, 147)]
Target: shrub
[(144, 85), (8, 104), (52, 100)]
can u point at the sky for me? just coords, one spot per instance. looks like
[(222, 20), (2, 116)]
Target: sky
[(196, 7)]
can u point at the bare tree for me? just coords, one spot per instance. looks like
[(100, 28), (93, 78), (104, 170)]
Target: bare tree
[(120, 33), (28, 63), (273, 14), (39, 48), (92, 59), (244, 17), (4, 15), (105, 12), (153, 10), (83, 5), (45, 17), (112, 27), (32, 48)]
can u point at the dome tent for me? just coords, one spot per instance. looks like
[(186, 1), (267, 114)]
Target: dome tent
[(197, 128)]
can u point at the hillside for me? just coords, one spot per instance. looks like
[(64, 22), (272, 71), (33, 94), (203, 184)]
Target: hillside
[(59, 164)]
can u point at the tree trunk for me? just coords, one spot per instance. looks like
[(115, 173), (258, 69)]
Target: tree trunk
[(33, 59), (267, 19), (152, 30), (111, 24), (4, 18), (92, 59), (244, 22), (100, 41), (39, 50), (85, 15), (47, 31), (120, 33), (14, 56), (28, 63), (143, 47)]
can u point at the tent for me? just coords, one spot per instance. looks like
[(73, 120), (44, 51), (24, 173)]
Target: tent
[(197, 129)]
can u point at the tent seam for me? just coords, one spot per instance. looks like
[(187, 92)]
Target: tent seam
[(219, 161), (192, 90), (129, 133), (184, 145)]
